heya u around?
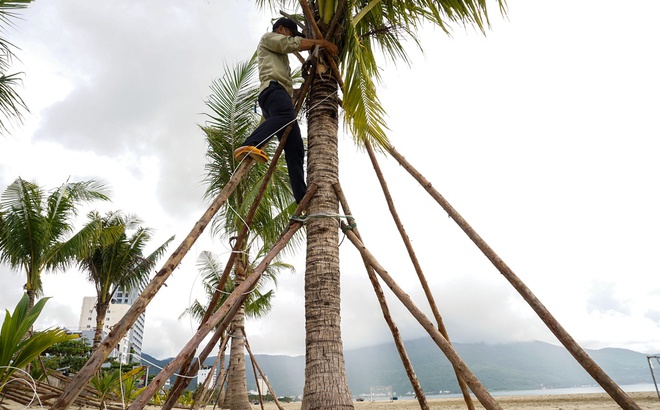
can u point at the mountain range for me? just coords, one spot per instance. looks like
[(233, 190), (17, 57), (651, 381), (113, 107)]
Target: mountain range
[(511, 366)]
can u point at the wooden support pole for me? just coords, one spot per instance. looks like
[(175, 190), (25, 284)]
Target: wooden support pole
[(619, 396), (416, 265), (190, 356), (202, 391), (400, 347), (183, 380), (82, 378), (233, 299), (256, 380), (256, 366), (466, 374), (219, 364), (309, 16)]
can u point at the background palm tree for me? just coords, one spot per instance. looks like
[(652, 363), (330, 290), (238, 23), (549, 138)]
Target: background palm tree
[(114, 259), (232, 120), (257, 304), (363, 30), (34, 227), (11, 102)]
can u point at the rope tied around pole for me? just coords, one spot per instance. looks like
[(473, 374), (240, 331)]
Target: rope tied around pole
[(304, 218)]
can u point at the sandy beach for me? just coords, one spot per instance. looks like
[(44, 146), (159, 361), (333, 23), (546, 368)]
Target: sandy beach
[(592, 401)]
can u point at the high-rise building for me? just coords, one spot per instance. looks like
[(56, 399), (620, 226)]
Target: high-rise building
[(120, 303)]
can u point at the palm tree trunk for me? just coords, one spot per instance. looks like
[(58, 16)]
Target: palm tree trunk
[(82, 378), (619, 396), (31, 297), (31, 293), (237, 398), (101, 311), (325, 376)]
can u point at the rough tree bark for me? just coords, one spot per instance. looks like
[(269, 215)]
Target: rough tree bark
[(326, 386)]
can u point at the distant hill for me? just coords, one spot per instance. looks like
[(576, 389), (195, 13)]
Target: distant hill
[(513, 366)]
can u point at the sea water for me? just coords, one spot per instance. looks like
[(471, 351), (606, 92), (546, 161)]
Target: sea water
[(541, 392)]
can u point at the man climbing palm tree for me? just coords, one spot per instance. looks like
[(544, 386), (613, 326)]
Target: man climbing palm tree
[(275, 95)]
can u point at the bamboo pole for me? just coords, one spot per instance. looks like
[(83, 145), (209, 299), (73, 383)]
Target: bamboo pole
[(221, 391), (477, 388), (206, 390), (187, 357), (82, 378), (396, 335), (309, 16), (218, 315), (619, 396), (218, 364), (416, 265), (256, 379), (256, 366)]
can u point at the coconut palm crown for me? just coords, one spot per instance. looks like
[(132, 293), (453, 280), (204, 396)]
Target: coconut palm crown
[(114, 259), (369, 29), (36, 227)]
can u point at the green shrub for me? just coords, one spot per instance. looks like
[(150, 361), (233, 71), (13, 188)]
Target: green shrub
[(18, 347)]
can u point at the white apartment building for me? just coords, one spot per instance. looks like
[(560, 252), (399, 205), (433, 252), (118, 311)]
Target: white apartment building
[(204, 374), (119, 305)]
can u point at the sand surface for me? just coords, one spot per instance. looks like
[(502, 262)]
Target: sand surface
[(593, 401)]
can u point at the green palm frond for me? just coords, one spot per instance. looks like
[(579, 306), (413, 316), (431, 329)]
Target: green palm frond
[(104, 383), (11, 103), (232, 101), (389, 26), (257, 303), (36, 227), (233, 119), (114, 255), (22, 215), (276, 4), (364, 114)]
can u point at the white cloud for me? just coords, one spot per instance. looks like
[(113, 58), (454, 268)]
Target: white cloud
[(543, 135)]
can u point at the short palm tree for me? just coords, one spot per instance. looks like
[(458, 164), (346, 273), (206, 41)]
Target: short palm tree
[(36, 228), (362, 29), (11, 102), (114, 259), (230, 123), (104, 384)]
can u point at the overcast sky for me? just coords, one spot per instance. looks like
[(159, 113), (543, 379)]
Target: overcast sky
[(544, 135)]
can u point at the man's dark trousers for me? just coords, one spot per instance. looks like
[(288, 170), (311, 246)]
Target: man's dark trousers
[(277, 109)]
